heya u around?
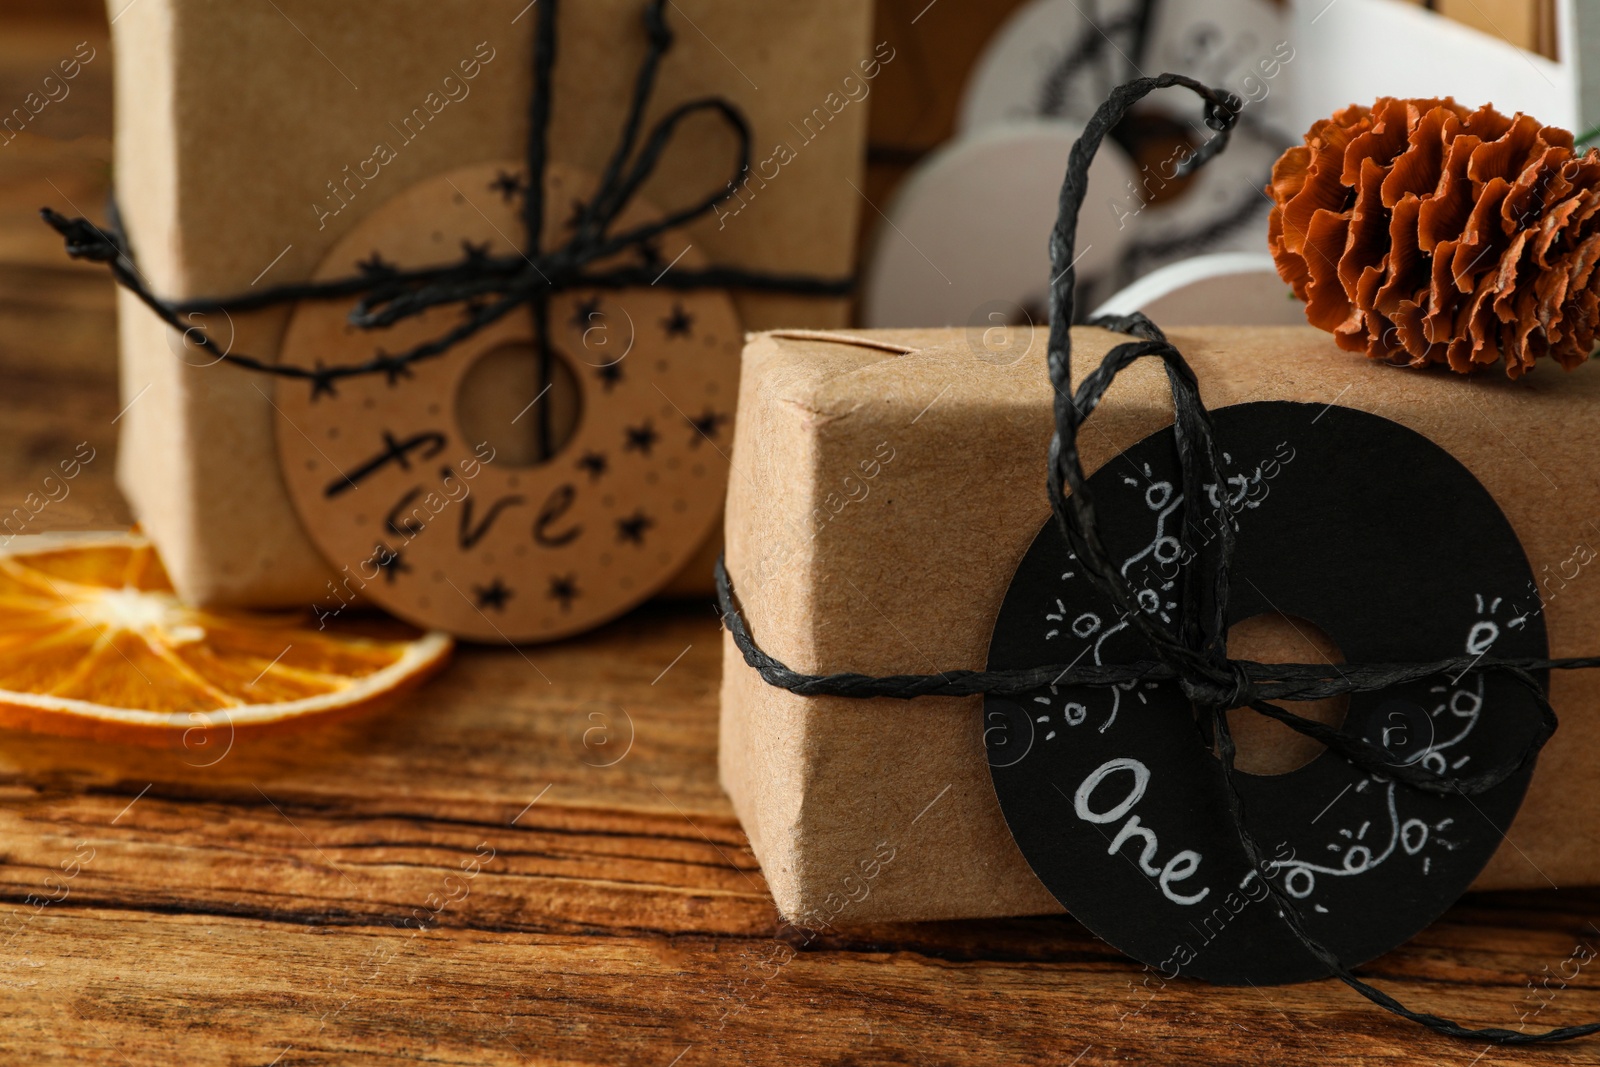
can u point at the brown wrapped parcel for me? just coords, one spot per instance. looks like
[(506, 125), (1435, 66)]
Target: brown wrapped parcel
[(887, 483), (250, 138)]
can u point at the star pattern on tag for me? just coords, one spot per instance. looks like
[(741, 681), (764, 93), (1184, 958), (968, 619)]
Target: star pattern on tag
[(564, 589), (680, 323), (508, 185), (494, 595), (584, 313), (375, 266), (394, 369), (390, 561), (632, 529), (706, 427), (594, 464), (322, 382), (641, 438)]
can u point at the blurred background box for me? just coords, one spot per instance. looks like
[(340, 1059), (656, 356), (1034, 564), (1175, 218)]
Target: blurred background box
[(1529, 24), (238, 127)]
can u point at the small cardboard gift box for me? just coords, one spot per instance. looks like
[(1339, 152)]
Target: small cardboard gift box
[(890, 483), (250, 139)]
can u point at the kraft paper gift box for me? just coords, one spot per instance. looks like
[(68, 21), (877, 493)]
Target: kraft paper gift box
[(891, 481), (237, 128)]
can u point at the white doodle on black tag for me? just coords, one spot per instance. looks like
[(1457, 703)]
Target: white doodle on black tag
[(1389, 546)]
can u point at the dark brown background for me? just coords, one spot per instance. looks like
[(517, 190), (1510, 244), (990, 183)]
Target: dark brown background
[(250, 912)]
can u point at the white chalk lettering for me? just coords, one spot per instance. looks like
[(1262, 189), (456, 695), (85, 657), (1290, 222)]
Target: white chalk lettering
[(1176, 869)]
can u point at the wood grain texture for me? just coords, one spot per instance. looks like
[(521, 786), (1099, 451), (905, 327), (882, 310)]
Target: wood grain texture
[(303, 900)]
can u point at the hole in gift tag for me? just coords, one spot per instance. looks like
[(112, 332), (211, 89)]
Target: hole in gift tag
[(1154, 140), (1264, 746), (500, 402)]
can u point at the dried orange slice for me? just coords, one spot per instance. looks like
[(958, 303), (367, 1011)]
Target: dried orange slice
[(93, 642)]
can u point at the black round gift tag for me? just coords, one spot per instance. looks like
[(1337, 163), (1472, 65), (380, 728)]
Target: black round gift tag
[(1389, 545)]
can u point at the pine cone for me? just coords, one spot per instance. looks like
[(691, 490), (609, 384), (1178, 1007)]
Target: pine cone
[(1421, 232)]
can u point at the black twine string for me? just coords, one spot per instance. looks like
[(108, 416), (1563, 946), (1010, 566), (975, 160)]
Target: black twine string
[(1053, 100), (487, 286), (1194, 652)]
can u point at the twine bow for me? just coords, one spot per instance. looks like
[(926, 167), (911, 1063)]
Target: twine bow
[(489, 287)]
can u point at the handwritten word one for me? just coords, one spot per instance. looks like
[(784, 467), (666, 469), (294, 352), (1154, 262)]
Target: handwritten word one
[(1179, 867)]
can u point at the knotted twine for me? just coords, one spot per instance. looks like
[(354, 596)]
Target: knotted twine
[(490, 287), (1193, 652)]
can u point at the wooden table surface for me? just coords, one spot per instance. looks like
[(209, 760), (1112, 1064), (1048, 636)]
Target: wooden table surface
[(163, 907)]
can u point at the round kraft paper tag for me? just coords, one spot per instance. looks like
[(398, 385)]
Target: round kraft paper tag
[(416, 486), (1389, 546)]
